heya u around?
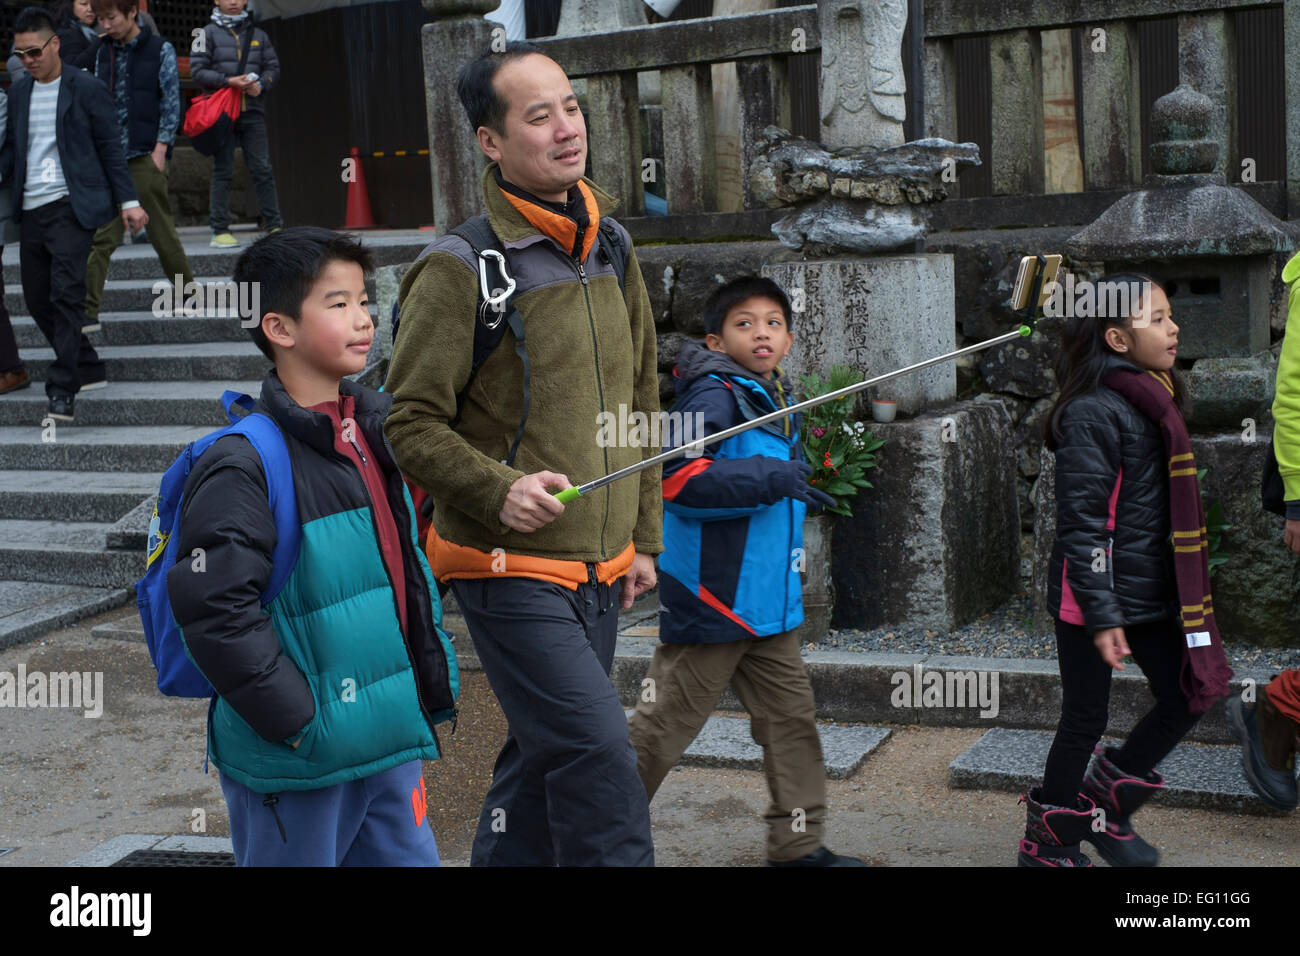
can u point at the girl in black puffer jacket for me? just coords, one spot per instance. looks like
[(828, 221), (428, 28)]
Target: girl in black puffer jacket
[(1111, 585)]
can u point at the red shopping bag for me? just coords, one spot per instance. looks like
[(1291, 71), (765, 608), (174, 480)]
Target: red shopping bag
[(211, 119)]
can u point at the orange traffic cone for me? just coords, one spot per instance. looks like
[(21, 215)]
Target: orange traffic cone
[(358, 211)]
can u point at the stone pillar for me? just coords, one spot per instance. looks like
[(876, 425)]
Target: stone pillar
[(1291, 41), (689, 148), (863, 99), (936, 542), (614, 138), (1207, 61), (878, 315), (599, 16), (1016, 61), (1112, 129), (940, 85), (455, 37), (730, 104), (1063, 166), (764, 101)]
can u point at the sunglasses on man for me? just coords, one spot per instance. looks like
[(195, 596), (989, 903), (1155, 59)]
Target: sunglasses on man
[(35, 52)]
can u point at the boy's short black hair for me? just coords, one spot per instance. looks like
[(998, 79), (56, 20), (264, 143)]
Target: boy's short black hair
[(474, 84), (33, 20), (727, 297), (286, 264)]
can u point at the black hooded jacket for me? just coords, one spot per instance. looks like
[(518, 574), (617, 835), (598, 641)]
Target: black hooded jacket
[(1112, 515)]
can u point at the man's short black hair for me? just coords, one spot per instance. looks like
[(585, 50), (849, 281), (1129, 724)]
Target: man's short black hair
[(474, 84), (727, 297), (286, 264), (33, 20)]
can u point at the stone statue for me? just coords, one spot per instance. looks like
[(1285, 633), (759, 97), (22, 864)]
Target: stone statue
[(862, 66)]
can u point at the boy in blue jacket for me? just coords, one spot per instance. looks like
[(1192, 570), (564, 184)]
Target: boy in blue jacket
[(328, 694), (729, 591)]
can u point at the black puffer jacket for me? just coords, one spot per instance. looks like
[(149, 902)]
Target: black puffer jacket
[(1112, 501), (218, 60)]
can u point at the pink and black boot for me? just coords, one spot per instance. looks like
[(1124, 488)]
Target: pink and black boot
[(1052, 834), (1119, 795)]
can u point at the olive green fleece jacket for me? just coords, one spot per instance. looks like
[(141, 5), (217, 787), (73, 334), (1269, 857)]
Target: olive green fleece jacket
[(591, 350)]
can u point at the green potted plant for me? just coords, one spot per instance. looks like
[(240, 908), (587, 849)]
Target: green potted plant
[(841, 452)]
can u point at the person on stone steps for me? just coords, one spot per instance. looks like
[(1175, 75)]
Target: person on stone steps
[(139, 69), (62, 154), (1129, 575), (730, 594), (214, 63), (1267, 726), (13, 373)]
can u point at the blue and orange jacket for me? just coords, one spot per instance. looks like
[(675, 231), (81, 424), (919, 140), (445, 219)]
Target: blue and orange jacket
[(727, 572)]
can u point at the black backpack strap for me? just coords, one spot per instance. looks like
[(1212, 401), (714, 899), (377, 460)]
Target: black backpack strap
[(611, 244), (490, 325)]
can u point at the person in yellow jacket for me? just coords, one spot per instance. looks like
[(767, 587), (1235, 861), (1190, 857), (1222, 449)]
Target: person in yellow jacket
[(1267, 727), (539, 582)]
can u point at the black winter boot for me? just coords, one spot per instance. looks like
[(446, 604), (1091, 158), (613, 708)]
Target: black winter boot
[(1052, 834), (1119, 795)]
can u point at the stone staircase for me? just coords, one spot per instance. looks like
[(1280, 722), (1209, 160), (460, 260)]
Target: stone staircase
[(75, 502)]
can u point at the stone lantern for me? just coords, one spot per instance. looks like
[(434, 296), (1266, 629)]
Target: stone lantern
[(1215, 251), (1211, 246)]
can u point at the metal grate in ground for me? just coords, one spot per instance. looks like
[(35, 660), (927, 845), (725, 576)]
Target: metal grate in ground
[(175, 858)]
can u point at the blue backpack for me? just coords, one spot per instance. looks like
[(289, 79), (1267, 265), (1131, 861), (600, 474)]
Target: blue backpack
[(178, 675)]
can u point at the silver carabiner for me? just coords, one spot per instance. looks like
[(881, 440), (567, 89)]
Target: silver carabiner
[(494, 302)]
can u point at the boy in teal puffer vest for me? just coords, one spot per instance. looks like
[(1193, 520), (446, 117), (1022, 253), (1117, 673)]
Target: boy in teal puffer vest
[(328, 695)]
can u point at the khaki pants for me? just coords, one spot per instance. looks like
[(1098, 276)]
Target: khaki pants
[(771, 682), (151, 189)]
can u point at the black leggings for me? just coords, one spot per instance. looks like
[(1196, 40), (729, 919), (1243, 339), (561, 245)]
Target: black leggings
[(1085, 692)]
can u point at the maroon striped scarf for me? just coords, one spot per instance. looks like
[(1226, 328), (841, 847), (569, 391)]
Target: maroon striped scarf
[(1205, 674)]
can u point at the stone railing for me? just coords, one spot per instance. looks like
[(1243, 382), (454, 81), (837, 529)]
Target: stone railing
[(682, 51), (1112, 139)]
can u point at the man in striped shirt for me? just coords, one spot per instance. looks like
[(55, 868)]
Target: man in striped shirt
[(69, 178)]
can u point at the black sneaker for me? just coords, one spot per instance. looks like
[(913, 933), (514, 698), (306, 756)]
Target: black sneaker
[(91, 325), (820, 857), (101, 382), (1277, 788), (60, 407)]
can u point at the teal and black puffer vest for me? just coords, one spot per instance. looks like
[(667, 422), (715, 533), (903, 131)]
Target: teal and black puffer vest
[(326, 660)]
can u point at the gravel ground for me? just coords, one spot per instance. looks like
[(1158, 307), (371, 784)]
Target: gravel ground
[(1007, 632)]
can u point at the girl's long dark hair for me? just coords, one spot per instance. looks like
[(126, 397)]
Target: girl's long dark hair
[(1079, 368)]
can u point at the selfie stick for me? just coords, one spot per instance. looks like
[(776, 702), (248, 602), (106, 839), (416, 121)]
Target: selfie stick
[(1028, 315)]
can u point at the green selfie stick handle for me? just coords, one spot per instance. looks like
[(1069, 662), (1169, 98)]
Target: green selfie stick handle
[(568, 494)]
